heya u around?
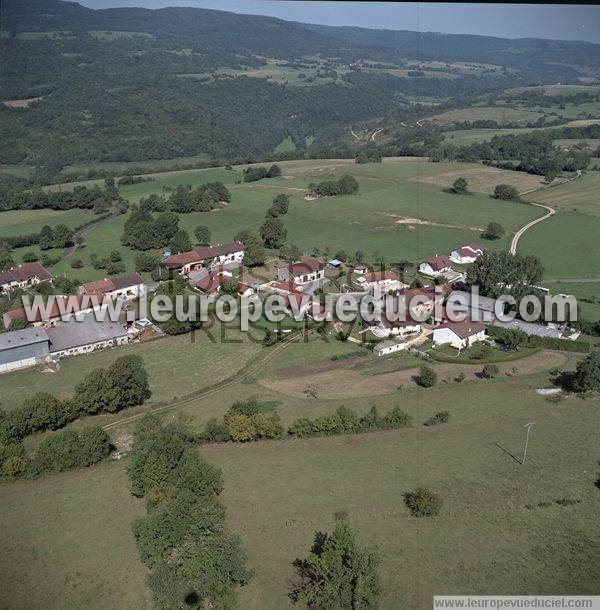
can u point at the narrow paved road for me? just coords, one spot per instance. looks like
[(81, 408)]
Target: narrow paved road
[(519, 233)]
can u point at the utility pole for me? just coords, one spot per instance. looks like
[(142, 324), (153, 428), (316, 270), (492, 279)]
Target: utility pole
[(528, 426)]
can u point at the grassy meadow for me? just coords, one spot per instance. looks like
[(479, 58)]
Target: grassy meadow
[(278, 493), (580, 195), (23, 222)]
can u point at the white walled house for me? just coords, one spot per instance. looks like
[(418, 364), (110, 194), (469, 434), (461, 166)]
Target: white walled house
[(116, 287), (23, 276), (389, 347), (302, 272), (383, 281), (459, 334), (231, 254), (436, 266), (468, 253)]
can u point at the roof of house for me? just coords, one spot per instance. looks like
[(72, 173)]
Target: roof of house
[(530, 328), (70, 304), (201, 254), (471, 248), (464, 329), (210, 283), (288, 286), (243, 287), (77, 333), (24, 272), (306, 265), (19, 338), (380, 276), (297, 301), (481, 303), (437, 263), (108, 284)]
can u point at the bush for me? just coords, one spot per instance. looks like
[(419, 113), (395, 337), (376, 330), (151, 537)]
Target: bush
[(30, 257), (441, 417), (460, 377), (427, 376), (490, 371), (70, 449), (76, 263), (423, 502)]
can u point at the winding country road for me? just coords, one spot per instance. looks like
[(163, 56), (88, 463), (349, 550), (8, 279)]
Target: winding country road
[(519, 233)]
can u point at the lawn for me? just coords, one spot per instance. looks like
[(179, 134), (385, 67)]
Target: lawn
[(24, 222), (567, 245), (176, 366), (278, 493), (394, 214), (579, 195)]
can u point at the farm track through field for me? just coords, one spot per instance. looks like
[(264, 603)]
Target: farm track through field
[(84, 231), (209, 391), (517, 236)]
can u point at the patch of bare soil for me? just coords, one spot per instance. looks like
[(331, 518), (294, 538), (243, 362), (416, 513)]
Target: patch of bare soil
[(346, 383), (313, 368), (21, 103), (411, 222)]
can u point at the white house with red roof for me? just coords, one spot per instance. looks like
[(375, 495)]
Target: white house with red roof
[(116, 287), (459, 334), (302, 272), (383, 281), (230, 254), (468, 253), (23, 276), (436, 266)]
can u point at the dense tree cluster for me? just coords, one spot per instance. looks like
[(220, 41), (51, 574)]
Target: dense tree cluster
[(346, 185), (143, 231), (194, 560), (252, 174)]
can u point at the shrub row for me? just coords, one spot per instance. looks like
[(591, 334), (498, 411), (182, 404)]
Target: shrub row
[(194, 560), (505, 334), (346, 421), (62, 451)]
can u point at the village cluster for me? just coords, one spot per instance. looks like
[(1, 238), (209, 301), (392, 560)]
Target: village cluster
[(53, 334)]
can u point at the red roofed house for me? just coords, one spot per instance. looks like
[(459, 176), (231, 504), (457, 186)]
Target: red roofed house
[(59, 309), (436, 266), (222, 254), (302, 272), (459, 334), (22, 276), (384, 281), (467, 254), (211, 283), (118, 286)]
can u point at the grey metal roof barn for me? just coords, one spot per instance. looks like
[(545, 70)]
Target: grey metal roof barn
[(85, 332), (23, 345)]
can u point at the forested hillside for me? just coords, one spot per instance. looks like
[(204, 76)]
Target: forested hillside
[(83, 85)]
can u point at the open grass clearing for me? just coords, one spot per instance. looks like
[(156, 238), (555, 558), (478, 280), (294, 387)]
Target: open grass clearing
[(579, 195), (567, 245), (501, 114), (24, 222), (483, 179), (176, 365), (278, 493)]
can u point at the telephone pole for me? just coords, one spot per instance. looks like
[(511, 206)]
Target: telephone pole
[(528, 426)]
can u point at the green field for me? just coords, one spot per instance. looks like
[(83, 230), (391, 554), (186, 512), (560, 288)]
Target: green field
[(501, 114), (177, 366), (23, 222), (590, 291), (279, 493), (579, 195), (567, 245)]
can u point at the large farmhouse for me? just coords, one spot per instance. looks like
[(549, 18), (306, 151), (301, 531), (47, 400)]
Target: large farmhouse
[(230, 254), (121, 286), (382, 281), (85, 336), (459, 334), (23, 276), (302, 272)]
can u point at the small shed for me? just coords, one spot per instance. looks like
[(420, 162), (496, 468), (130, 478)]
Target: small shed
[(334, 263)]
